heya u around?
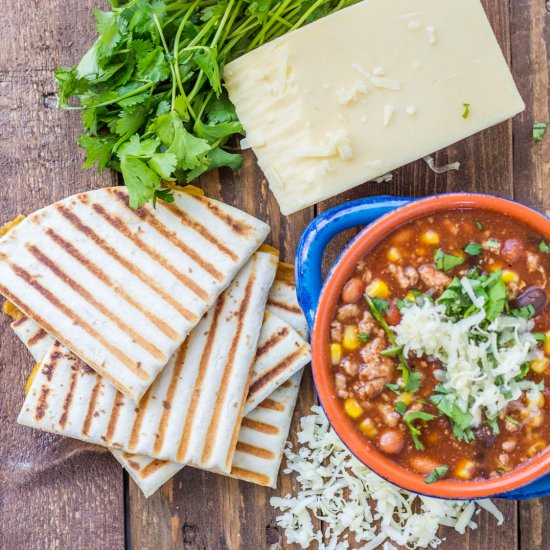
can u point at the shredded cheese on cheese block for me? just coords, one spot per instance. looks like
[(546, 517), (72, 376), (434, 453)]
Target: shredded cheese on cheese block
[(469, 373), (355, 503)]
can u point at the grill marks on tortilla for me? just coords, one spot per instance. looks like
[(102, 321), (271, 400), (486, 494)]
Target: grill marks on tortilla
[(68, 400), (99, 306), (188, 221), (77, 319), (229, 366), (258, 426), (255, 451), (77, 223), (107, 281), (168, 234), (239, 228), (37, 336), (92, 406), (272, 405), (118, 225), (169, 398), (205, 357), (247, 475), (277, 370)]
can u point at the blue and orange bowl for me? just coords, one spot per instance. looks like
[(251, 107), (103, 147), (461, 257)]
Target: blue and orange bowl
[(382, 215)]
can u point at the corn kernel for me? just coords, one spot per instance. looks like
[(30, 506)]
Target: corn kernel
[(541, 364), (509, 276), (535, 399), (405, 397), (31, 378), (465, 469), (350, 339), (524, 413), (393, 254), (495, 266), (352, 408), (430, 237), (536, 420), (335, 353), (410, 297), (536, 448), (378, 289), (368, 428), (547, 344)]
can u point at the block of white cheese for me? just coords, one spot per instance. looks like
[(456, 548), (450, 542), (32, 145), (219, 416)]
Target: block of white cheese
[(361, 92)]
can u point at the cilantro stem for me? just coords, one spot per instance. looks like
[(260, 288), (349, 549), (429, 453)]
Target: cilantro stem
[(391, 337)]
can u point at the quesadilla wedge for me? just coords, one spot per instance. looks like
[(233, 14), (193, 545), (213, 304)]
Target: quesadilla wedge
[(192, 412), (122, 288), (259, 451)]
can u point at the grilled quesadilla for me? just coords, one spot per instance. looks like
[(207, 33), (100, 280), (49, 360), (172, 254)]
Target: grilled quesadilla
[(259, 452), (122, 288), (191, 414)]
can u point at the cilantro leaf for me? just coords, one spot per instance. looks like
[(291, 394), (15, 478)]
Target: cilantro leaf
[(400, 407), (439, 472), (140, 180), (109, 30), (479, 225), (543, 247), (98, 149), (413, 383), (496, 299), (381, 305), (539, 130), (415, 432), (154, 66), (473, 249), (446, 262), (363, 337), (206, 59)]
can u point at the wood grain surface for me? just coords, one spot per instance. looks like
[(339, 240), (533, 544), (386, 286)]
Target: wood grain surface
[(63, 494)]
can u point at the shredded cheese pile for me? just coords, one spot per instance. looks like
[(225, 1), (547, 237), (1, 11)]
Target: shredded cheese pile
[(479, 384), (355, 503)]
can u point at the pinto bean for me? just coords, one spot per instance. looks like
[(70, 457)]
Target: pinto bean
[(353, 290), (422, 464), (512, 250), (394, 316), (391, 442)]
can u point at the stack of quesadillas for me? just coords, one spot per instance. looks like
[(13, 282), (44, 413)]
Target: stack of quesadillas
[(168, 335)]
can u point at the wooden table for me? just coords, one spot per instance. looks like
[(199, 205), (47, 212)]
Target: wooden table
[(63, 494)]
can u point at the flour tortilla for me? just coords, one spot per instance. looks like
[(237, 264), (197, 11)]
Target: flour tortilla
[(259, 452), (122, 288), (192, 413)]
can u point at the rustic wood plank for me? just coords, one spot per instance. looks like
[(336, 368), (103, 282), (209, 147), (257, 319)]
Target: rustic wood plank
[(198, 510), (54, 493), (531, 68)]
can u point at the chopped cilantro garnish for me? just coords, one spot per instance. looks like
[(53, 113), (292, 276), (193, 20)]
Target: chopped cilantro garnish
[(460, 420), (415, 432), (466, 112), (363, 337), (496, 299), (492, 243), (511, 420), (381, 305), (539, 129), (525, 312), (539, 336), (393, 387), (413, 383), (473, 249), (543, 247), (479, 225), (446, 262), (439, 472), (400, 407)]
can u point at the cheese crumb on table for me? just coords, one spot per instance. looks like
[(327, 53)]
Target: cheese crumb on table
[(354, 63)]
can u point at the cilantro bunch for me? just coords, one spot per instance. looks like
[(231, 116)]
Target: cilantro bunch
[(150, 91)]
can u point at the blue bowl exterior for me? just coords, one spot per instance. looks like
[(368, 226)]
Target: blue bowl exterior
[(309, 283)]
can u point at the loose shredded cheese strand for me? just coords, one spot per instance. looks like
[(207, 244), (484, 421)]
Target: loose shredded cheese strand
[(352, 500), (441, 169)]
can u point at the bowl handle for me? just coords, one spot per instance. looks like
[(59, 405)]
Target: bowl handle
[(321, 231)]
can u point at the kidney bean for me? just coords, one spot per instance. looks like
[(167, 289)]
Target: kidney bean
[(353, 290), (391, 442), (394, 316), (532, 295), (512, 250)]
